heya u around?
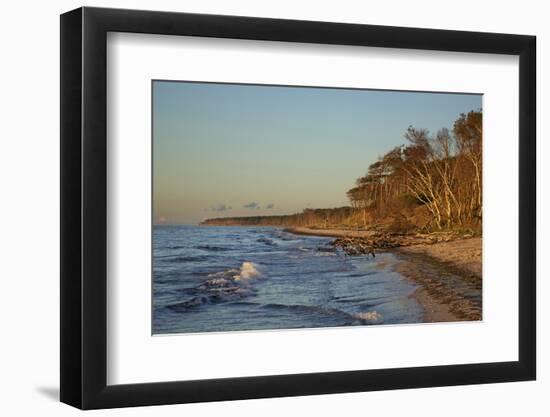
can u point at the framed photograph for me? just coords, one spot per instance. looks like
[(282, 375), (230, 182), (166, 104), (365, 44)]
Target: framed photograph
[(257, 207)]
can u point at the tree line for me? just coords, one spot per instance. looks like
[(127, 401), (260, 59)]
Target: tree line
[(326, 217), (441, 172)]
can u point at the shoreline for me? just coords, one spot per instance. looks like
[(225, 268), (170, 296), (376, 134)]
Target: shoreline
[(447, 272)]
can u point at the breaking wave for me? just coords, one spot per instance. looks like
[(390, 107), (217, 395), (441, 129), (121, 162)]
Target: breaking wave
[(368, 317), (228, 285)]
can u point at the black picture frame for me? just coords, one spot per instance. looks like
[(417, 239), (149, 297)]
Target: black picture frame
[(84, 207)]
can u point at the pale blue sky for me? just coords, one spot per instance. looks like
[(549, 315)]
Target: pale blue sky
[(237, 150)]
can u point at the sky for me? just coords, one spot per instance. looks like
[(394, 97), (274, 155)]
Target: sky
[(225, 150)]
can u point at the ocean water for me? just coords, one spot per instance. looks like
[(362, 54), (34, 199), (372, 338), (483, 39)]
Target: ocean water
[(221, 279)]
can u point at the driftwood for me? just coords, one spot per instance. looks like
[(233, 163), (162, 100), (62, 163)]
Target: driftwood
[(381, 241)]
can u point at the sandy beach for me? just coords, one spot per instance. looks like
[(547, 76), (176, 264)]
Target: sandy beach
[(462, 254)]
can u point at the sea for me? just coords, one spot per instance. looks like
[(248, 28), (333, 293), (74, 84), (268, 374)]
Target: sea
[(233, 278)]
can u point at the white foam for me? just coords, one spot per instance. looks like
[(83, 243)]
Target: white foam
[(248, 270), (373, 316)]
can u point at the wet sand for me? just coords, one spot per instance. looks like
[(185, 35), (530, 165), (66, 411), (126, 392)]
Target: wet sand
[(449, 278)]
